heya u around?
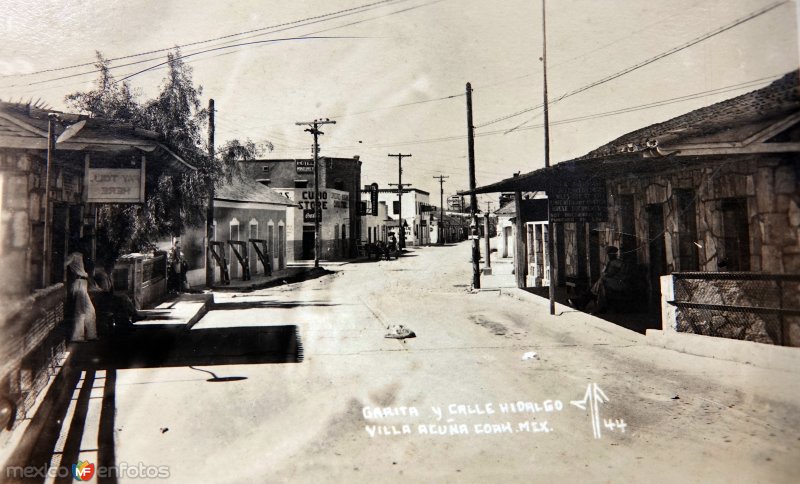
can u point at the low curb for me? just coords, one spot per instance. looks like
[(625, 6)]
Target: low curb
[(748, 352)]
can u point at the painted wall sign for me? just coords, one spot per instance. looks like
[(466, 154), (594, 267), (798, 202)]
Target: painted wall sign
[(579, 201), (115, 185), (305, 166), (308, 215)]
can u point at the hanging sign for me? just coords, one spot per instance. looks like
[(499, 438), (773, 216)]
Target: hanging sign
[(373, 198), (115, 185)]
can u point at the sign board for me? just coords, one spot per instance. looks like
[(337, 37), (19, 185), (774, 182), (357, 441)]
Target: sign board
[(454, 204), (373, 198), (115, 185), (579, 201), (305, 166), (308, 215)]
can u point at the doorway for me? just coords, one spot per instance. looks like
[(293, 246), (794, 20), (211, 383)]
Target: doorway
[(657, 250), (281, 247), (308, 242)]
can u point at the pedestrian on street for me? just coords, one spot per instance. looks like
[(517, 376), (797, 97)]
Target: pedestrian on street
[(392, 246), (83, 314), (614, 279)]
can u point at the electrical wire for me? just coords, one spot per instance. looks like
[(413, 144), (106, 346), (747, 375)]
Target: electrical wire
[(646, 62), (200, 42)]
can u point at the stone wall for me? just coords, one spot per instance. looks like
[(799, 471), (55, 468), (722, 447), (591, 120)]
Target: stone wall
[(768, 184)]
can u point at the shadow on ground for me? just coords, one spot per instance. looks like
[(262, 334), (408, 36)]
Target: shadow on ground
[(637, 319), (55, 433), (269, 305), (262, 282)]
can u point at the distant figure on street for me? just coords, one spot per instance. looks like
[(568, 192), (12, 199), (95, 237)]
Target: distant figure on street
[(82, 309), (177, 270), (392, 245)]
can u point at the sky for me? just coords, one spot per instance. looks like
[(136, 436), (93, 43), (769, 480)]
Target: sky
[(392, 74)]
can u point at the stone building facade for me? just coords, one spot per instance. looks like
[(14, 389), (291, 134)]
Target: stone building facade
[(716, 190)]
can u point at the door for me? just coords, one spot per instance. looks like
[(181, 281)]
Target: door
[(234, 266), (308, 242), (271, 244), (281, 247), (253, 257), (658, 253), (58, 242)]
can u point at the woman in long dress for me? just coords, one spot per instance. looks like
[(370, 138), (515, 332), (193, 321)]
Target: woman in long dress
[(84, 318)]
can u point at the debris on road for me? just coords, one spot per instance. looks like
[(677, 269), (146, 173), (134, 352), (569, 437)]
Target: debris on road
[(398, 331), (675, 397), (530, 355)]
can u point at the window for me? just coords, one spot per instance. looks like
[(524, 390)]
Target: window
[(687, 230), (735, 234), (395, 207), (301, 183)]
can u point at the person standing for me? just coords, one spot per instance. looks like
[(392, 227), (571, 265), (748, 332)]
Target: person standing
[(83, 314)]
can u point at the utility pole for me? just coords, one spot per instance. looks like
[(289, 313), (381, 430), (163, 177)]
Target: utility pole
[(314, 130), (210, 206), (400, 157), (51, 147), (550, 231), (441, 207), (473, 199), (487, 268)]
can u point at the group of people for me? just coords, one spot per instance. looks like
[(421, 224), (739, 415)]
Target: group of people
[(90, 296)]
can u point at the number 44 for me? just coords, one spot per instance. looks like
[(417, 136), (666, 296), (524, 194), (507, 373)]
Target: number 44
[(615, 424)]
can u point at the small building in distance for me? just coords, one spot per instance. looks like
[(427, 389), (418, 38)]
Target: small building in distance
[(416, 216), (340, 193)]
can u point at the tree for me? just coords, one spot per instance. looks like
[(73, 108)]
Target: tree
[(173, 202)]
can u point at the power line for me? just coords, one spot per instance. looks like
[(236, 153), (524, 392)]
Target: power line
[(189, 44), (664, 102), (646, 62), (254, 42), (225, 45)]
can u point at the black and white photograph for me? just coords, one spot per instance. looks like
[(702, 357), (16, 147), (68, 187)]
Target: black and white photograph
[(434, 241)]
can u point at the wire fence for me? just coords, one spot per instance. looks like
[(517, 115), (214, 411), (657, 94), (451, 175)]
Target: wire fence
[(758, 307)]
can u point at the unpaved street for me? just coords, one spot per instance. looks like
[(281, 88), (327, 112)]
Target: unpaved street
[(457, 403)]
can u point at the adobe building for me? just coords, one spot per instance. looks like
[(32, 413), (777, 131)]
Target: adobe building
[(340, 193)]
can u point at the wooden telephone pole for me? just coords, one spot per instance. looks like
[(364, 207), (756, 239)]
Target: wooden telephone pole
[(400, 192), (550, 230), (473, 199), (487, 267), (314, 130), (441, 207), (210, 205)]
